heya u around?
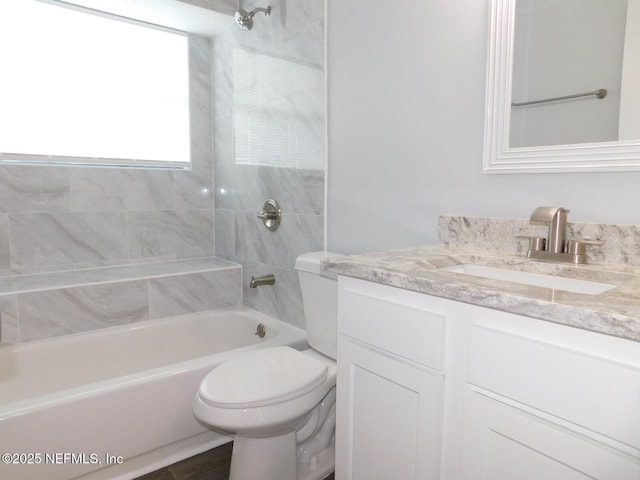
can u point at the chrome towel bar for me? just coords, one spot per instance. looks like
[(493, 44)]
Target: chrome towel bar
[(600, 93)]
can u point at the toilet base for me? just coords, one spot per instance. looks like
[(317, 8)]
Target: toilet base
[(322, 465), (274, 458), (267, 458)]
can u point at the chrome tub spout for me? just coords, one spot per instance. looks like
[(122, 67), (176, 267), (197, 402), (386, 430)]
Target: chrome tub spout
[(268, 279)]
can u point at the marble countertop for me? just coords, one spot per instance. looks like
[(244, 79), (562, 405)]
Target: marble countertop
[(615, 312)]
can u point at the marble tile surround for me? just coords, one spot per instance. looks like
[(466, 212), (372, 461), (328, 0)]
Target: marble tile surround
[(620, 244), (59, 220), (68, 234), (42, 306), (295, 32), (195, 292)]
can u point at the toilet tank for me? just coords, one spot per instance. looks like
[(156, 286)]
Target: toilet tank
[(320, 300)]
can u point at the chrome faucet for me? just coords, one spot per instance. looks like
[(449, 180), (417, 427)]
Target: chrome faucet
[(268, 279), (556, 217), (556, 248)]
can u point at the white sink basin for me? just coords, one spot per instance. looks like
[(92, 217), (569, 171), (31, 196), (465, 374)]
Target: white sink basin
[(535, 279)]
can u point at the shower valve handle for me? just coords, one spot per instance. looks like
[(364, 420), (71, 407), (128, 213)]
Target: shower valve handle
[(271, 215), (264, 215)]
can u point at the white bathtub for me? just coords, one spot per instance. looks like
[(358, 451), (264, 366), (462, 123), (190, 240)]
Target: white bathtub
[(116, 403)]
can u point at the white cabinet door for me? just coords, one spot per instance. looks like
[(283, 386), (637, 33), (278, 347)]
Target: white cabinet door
[(501, 442), (389, 416), (589, 386)]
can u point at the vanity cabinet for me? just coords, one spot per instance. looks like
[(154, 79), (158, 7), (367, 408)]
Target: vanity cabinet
[(390, 387), (552, 402), (523, 399)]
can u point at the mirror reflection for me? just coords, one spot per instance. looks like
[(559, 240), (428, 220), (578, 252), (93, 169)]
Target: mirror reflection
[(575, 67)]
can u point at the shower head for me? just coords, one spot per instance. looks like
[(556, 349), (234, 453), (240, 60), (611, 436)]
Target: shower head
[(244, 19)]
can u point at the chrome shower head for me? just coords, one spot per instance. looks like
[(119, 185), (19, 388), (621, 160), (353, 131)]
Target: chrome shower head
[(244, 19)]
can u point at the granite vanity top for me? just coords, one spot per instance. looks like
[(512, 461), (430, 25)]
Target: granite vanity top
[(615, 312)]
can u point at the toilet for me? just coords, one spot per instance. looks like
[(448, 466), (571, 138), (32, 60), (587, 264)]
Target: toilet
[(280, 402)]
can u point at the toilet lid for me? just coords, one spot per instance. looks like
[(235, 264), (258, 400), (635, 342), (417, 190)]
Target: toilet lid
[(262, 377)]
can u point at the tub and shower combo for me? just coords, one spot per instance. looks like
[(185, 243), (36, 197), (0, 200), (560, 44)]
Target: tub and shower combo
[(116, 403)]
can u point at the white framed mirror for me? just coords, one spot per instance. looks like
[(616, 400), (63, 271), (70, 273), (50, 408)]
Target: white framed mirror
[(563, 86)]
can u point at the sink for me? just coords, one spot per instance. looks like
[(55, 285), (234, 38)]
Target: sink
[(567, 284)]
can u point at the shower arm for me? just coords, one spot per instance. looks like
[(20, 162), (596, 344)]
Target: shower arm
[(267, 11)]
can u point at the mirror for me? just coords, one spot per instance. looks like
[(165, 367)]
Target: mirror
[(560, 86)]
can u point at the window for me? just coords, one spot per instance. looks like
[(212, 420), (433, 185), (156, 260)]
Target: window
[(278, 110), (83, 87)]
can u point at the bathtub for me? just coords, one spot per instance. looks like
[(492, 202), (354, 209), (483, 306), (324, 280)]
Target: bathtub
[(116, 403)]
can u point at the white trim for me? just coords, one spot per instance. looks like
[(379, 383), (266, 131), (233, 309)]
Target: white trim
[(64, 161)]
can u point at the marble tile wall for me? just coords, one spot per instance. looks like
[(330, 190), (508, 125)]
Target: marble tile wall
[(295, 32), (56, 219), (48, 313), (61, 218)]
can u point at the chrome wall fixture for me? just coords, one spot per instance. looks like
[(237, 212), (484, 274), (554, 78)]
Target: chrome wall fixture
[(244, 19), (599, 94), (271, 215), (261, 330), (268, 279)]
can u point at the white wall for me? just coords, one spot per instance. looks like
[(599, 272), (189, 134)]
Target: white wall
[(406, 84)]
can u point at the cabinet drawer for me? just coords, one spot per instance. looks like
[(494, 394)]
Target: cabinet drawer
[(393, 320), (503, 443), (589, 390)]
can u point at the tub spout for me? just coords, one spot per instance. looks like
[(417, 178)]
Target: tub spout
[(268, 279)]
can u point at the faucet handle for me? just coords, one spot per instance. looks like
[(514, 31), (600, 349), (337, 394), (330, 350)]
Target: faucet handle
[(589, 242), (536, 244), (579, 247)]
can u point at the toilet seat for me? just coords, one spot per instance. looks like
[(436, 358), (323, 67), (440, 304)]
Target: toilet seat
[(262, 377)]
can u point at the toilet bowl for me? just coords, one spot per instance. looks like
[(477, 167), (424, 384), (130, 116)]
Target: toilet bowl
[(280, 402)]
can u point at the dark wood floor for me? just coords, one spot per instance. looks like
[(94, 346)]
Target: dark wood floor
[(211, 465)]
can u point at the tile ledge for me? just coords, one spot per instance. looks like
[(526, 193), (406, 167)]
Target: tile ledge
[(102, 275)]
